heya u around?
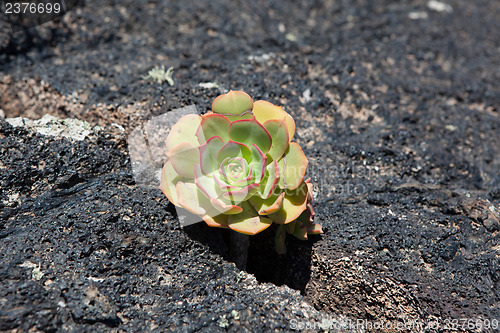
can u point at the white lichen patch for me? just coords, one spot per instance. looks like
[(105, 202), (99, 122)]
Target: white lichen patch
[(53, 126)]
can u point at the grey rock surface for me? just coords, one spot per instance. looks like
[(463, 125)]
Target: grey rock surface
[(396, 106), (53, 126)]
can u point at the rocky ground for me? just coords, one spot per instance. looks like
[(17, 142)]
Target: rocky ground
[(397, 108)]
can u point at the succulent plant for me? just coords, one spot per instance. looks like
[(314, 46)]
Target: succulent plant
[(237, 167)]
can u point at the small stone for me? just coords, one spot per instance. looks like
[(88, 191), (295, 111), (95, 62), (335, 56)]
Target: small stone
[(120, 127), (439, 6), (291, 37), (451, 128), (15, 122), (53, 126), (491, 224), (208, 85), (418, 15), (306, 96), (235, 314)]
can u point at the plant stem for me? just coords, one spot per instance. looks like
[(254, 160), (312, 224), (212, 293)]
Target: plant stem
[(238, 249), (279, 239)]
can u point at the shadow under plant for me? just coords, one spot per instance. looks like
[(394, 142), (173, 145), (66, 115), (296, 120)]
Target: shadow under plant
[(292, 269)]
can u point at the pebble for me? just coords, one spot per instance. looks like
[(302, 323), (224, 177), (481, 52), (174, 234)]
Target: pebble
[(439, 6)]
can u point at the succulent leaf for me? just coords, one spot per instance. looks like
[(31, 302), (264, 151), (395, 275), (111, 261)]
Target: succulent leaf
[(259, 161), (300, 231), (208, 154), (240, 195), (233, 149), (184, 131), (188, 195), (250, 132), (264, 111), (269, 205), (183, 157), (225, 208), (315, 229), (218, 221), (213, 125), (205, 184), (224, 183), (248, 221), (281, 164), (279, 133), (270, 180), (233, 103), (247, 180), (294, 166), (294, 203), (169, 178), (234, 173)]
